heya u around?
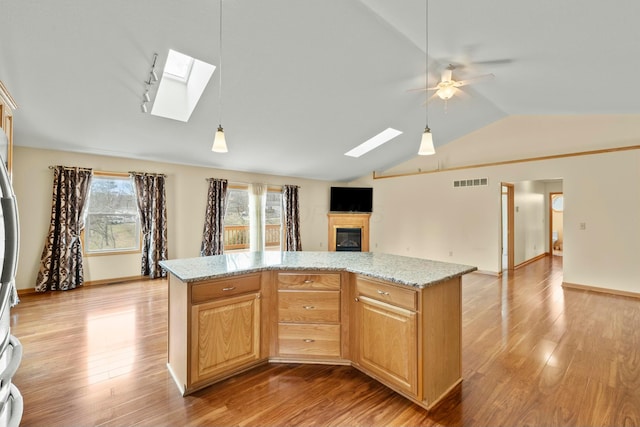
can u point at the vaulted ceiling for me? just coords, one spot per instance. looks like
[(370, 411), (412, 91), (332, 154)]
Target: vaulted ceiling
[(307, 80)]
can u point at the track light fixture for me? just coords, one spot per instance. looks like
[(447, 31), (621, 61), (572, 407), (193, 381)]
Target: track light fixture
[(153, 78)]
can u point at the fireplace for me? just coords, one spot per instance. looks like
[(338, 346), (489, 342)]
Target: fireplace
[(347, 228), (348, 239)]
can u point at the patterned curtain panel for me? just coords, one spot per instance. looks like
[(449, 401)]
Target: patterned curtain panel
[(150, 192), (291, 215), (213, 234), (61, 262)]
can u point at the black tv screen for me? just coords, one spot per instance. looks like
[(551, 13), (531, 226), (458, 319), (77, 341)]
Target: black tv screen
[(351, 199)]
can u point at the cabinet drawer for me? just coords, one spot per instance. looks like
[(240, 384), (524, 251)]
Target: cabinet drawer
[(309, 306), (402, 297), (326, 281), (224, 288), (309, 340)]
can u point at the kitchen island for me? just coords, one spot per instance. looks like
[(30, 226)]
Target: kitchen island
[(395, 318)]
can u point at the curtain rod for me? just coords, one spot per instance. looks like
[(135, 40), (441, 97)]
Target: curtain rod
[(148, 173), (248, 183), (70, 168)]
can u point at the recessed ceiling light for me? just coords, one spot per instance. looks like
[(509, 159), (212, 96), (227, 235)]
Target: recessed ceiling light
[(384, 136)]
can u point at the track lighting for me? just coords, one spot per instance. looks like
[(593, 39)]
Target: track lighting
[(153, 77)]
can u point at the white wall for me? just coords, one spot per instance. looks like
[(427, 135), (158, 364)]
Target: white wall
[(424, 216), (529, 220), (186, 189)]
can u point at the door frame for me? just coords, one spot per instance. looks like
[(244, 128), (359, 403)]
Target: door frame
[(510, 226)]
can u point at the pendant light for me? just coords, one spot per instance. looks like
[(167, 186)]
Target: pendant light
[(219, 141), (426, 144)]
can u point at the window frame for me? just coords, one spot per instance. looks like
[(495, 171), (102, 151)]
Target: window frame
[(85, 251), (245, 188)]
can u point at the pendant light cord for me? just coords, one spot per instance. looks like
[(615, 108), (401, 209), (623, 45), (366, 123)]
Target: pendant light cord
[(426, 63), (220, 72)]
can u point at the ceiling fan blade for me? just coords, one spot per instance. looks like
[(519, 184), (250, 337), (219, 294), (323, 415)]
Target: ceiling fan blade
[(430, 98), (474, 80), (421, 89)]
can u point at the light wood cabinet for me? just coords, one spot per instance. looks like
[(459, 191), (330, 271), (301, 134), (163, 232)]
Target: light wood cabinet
[(407, 338), (386, 335), (214, 329), (309, 321), (7, 105), (225, 334)]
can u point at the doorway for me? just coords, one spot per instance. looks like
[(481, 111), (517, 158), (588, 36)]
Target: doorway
[(507, 256), (556, 213)]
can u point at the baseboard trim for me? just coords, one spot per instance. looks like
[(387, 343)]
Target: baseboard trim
[(532, 260), (588, 288), (489, 273), (116, 280), (32, 291)]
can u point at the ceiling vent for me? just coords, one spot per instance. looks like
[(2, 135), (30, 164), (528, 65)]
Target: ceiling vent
[(475, 182)]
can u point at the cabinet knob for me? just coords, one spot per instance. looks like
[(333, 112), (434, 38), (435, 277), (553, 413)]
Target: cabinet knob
[(356, 299), (308, 340), (308, 307), (308, 281), (383, 292), (230, 288)]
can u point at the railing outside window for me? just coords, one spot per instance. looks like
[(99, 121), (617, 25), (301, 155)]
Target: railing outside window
[(236, 237)]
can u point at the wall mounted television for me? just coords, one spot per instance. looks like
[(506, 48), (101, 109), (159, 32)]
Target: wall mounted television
[(351, 199)]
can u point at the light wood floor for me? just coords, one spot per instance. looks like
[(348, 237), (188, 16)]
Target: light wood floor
[(533, 354)]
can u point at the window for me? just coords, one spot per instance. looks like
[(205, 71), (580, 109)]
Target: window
[(273, 220), (236, 219), (112, 223), (238, 223)]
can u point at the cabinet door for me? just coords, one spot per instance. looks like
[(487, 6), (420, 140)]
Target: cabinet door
[(225, 335), (386, 340)]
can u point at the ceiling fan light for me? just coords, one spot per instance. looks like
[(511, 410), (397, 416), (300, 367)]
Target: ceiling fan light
[(426, 144), (219, 142), (446, 74), (446, 92)]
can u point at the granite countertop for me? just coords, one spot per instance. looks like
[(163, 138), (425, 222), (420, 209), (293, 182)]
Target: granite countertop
[(416, 272)]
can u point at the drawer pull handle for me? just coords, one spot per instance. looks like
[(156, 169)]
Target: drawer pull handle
[(308, 307), (382, 292), (308, 281), (230, 288), (308, 340)]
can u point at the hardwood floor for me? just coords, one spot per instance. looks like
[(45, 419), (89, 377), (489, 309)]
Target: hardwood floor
[(533, 354)]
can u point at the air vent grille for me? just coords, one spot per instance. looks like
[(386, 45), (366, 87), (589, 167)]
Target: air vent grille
[(475, 182)]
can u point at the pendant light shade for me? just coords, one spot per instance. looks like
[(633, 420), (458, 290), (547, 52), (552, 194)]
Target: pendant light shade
[(219, 142), (426, 144)]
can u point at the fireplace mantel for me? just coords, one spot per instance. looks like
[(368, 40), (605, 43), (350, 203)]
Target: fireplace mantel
[(348, 220)]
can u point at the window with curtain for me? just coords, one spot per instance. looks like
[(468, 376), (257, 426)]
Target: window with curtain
[(112, 223), (253, 219)]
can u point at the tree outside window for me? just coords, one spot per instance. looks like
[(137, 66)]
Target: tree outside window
[(112, 223)]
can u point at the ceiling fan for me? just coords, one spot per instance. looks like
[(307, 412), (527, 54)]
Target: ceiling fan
[(448, 86)]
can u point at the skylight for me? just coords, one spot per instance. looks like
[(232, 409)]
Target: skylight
[(183, 81), (179, 66), (384, 136)]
